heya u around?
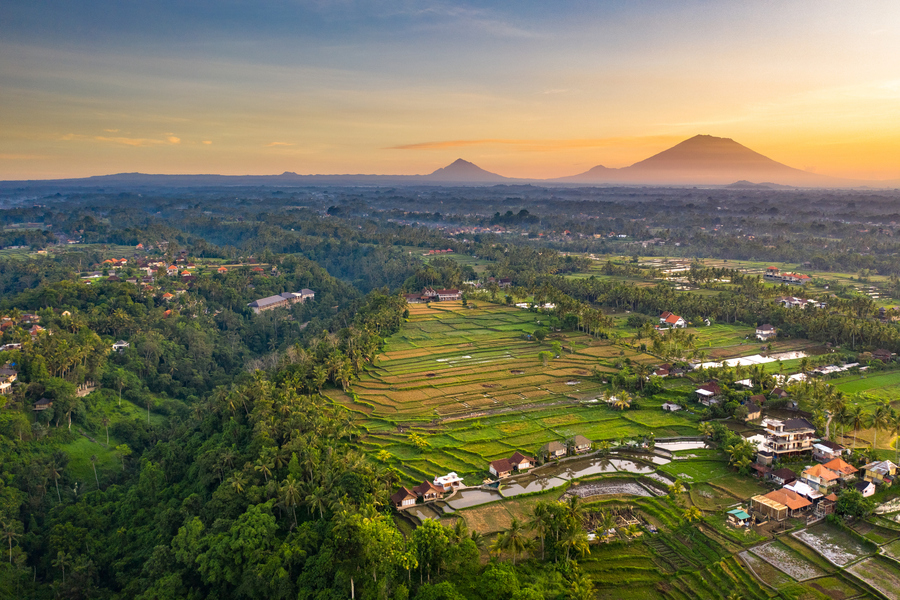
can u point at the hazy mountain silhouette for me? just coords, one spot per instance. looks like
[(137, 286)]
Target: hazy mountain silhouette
[(704, 159), (700, 160), (463, 171)]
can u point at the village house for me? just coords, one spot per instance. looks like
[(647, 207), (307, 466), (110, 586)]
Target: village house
[(765, 332), (824, 451), (281, 300), (403, 498), (880, 472), (42, 404), (866, 488), (553, 450), (708, 393), (778, 393), (501, 468), (783, 476), (738, 518), (580, 444), (449, 482), (786, 438), (670, 407), (819, 478), (520, 462), (754, 411), (668, 319), (120, 346), (883, 355), (844, 471), (779, 504), (427, 491)]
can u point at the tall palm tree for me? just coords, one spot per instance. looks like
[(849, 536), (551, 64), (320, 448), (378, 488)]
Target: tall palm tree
[(10, 530), (290, 495), (880, 419), (237, 482), (94, 465), (893, 428), (623, 400), (576, 539), (54, 471), (541, 522), (856, 419), (514, 539)]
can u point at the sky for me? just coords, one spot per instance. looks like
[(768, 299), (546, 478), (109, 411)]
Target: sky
[(522, 88)]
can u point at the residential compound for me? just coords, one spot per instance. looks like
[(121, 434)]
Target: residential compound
[(281, 300), (774, 275), (785, 438)]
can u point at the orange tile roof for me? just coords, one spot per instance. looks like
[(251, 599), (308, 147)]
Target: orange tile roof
[(822, 473), (839, 466), (789, 498)]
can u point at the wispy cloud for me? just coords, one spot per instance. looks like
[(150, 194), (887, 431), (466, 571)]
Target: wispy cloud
[(271, 144), (538, 145), (123, 141), (206, 142)]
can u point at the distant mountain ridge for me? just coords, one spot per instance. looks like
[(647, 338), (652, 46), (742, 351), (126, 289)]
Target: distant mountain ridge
[(703, 159), (700, 160)]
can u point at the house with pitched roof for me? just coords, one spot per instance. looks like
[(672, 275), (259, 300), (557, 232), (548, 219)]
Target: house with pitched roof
[(780, 504), (844, 471), (709, 393), (580, 444), (765, 332), (403, 498), (880, 472), (668, 319), (427, 491), (520, 462), (824, 450), (449, 482), (819, 478), (553, 450), (501, 468)]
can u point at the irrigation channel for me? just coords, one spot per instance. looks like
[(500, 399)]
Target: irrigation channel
[(557, 474)]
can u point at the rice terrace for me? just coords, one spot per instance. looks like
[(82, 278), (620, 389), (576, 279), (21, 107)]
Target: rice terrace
[(468, 380)]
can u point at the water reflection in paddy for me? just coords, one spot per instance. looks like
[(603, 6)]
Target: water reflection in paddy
[(526, 486), (422, 512), (687, 445), (467, 498)]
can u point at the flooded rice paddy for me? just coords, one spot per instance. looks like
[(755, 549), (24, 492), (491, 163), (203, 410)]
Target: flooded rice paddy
[(836, 546)]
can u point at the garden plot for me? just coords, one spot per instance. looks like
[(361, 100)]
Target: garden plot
[(879, 573), (789, 561), (838, 547)]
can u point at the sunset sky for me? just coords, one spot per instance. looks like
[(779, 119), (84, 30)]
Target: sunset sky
[(521, 88)]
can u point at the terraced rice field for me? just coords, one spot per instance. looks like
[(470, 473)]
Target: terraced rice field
[(788, 560), (881, 574), (838, 547), (471, 384)]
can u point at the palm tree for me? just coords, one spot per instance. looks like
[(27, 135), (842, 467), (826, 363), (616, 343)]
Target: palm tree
[(514, 539), (677, 487), (94, 465), (541, 522), (105, 421), (706, 429), (54, 472), (264, 466), (893, 428), (61, 561), (10, 530), (237, 482), (623, 400), (856, 419), (692, 514), (880, 419), (575, 539), (317, 499), (290, 495)]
